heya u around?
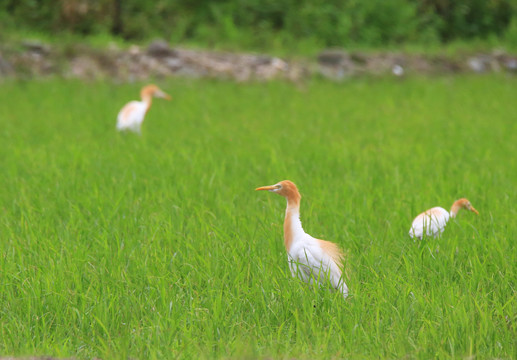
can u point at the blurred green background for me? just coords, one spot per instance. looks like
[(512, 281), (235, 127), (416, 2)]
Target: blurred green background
[(258, 23)]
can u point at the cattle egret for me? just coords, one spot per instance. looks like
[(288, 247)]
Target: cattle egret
[(309, 258), (132, 114), (435, 219)]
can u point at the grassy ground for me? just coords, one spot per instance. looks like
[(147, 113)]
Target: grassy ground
[(120, 246)]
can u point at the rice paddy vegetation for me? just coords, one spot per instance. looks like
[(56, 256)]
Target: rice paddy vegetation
[(120, 246)]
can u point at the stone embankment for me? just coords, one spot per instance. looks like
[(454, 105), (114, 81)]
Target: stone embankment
[(159, 60)]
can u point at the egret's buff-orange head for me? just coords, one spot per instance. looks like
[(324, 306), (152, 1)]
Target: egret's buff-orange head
[(153, 90), (465, 204), (285, 188)]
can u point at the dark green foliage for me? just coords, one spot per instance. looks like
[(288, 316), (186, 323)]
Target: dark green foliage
[(470, 18), (257, 22)]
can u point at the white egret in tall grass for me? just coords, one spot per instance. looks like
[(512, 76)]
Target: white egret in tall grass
[(133, 113), (310, 259), (433, 221)]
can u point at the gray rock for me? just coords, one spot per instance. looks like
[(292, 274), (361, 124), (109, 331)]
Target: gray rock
[(483, 63), (333, 58), (261, 60), (511, 64), (5, 67), (173, 63), (335, 64), (397, 70), (160, 48), (84, 67), (36, 47)]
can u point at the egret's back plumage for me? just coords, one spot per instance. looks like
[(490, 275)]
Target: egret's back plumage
[(132, 116), (431, 222)]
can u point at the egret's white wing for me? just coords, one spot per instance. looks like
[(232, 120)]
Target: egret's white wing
[(131, 116), (432, 223), (309, 262)]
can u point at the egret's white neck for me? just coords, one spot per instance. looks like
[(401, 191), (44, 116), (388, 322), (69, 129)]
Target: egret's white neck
[(292, 223), (455, 208), (147, 99)]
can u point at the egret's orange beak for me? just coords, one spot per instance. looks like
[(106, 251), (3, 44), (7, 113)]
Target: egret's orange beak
[(474, 210), (269, 187), (159, 93)]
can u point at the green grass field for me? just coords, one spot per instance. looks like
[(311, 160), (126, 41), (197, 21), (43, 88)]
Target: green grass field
[(117, 246)]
